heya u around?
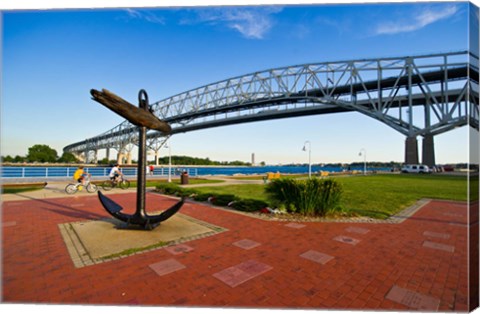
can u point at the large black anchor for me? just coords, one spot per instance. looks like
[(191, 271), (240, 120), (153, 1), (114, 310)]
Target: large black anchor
[(143, 118)]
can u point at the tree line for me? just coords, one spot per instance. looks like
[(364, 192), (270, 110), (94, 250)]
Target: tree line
[(194, 161), (41, 153), (45, 154)]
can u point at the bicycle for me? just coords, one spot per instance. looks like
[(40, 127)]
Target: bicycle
[(73, 188), (109, 184)]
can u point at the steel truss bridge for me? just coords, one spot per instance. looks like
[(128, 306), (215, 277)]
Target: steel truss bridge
[(419, 96)]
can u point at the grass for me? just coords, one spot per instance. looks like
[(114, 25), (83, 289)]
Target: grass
[(153, 183), (261, 177), (21, 187), (8, 190), (254, 191), (135, 250), (25, 187), (380, 196), (377, 196)]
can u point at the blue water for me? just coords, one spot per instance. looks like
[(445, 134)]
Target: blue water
[(263, 170), (45, 172)]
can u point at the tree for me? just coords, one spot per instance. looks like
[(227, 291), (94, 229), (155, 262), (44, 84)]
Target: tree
[(7, 158), (19, 159), (68, 158), (41, 153)]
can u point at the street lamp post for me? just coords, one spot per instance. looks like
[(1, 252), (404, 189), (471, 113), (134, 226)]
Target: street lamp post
[(364, 160), (169, 162), (309, 157)]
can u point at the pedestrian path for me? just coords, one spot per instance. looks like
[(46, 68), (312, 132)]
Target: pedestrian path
[(418, 264)]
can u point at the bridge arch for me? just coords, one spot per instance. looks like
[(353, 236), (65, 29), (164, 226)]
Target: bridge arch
[(416, 95)]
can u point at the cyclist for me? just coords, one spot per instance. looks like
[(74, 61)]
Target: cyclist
[(115, 173), (80, 175)]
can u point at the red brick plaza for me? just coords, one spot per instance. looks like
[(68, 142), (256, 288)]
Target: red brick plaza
[(418, 264)]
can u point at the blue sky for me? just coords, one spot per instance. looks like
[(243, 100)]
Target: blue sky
[(52, 58)]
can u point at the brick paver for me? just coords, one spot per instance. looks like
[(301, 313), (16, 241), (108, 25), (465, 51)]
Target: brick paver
[(388, 268)]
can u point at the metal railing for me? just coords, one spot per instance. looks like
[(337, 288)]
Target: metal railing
[(67, 172)]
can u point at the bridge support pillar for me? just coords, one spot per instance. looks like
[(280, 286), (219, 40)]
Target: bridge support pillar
[(129, 159), (79, 156), (428, 151), (120, 158), (91, 157), (108, 154), (411, 150)]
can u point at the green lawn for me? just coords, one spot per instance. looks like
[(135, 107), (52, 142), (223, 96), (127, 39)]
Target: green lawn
[(10, 190), (255, 191), (152, 183), (377, 196), (13, 188), (380, 196)]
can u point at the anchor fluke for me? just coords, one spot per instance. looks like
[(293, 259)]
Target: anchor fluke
[(167, 213), (109, 205), (140, 217)]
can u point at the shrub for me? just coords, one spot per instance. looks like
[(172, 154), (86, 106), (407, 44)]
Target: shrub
[(282, 193), (249, 205), (308, 197), (202, 197), (223, 199), (185, 192), (169, 188), (331, 195)]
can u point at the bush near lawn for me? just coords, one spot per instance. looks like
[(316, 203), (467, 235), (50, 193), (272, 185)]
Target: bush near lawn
[(218, 199), (249, 205), (311, 197), (376, 196), (173, 189)]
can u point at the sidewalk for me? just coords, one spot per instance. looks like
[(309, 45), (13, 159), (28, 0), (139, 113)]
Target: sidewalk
[(419, 264), (56, 189)]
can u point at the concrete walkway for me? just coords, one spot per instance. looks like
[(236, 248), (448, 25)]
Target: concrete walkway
[(56, 188), (419, 264)]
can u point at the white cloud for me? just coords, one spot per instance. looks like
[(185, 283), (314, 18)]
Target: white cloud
[(418, 21), (252, 23), (147, 16)]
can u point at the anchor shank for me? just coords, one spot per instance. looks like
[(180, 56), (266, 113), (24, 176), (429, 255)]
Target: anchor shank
[(142, 159), (141, 185)]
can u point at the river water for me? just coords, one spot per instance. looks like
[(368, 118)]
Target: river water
[(51, 172)]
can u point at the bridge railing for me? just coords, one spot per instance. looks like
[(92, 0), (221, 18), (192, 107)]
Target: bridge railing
[(67, 172)]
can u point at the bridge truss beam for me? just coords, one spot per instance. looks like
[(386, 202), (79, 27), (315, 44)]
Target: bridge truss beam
[(415, 95)]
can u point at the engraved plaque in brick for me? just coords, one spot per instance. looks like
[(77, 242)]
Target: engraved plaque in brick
[(8, 224), (436, 235), (246, 244), (294, 225), (439, 246), (236, 275), (166, 267), (178, 249), (357, 230), (317, 257), (413, 299), (348, 240)]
